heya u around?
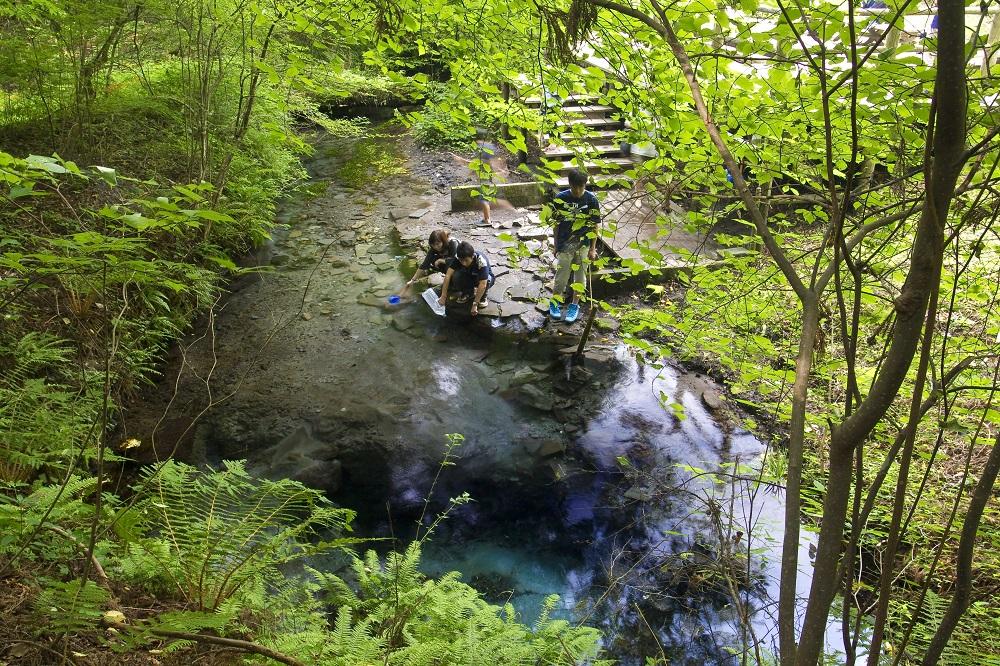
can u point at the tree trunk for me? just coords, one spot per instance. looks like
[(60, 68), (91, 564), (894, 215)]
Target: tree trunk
[(793, 507)]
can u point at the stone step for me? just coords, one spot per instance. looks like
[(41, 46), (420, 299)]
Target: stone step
[(565, 152), (579, 98), (589, 110), (595, 123), (599, 182), (606, 166), (594, 137)]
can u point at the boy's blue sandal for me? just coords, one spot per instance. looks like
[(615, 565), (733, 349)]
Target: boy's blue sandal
[(572, 312), (554, 310)]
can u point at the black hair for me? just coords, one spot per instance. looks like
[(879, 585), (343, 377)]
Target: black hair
[(577, 178), (465, 250)]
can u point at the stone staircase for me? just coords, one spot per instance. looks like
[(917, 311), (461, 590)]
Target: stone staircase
[(586, 137)]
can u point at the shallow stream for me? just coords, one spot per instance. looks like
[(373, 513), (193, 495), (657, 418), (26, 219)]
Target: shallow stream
[(593, 482)]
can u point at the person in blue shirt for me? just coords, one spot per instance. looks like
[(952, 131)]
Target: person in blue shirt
[(576, 215), (469, 276)]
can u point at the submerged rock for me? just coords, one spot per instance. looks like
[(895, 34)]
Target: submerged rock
[(639, 494), (532, 396), (712, 400), (552, 447), (401, 323), (525, 376)]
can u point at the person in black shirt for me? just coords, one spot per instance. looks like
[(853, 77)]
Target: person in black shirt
[(469, 276), (442, 250)]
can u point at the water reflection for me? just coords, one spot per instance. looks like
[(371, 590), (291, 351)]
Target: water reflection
[(629, 527)]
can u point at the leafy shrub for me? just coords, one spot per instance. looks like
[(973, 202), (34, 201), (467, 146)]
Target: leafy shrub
[(353, 86), (43, 420), (69, 607), (423, 621), (975, 640), (262, 172), (215, 536), (30, 520), (439, 126)]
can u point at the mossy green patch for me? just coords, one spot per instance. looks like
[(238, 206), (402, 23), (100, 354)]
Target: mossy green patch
[(374, 160)]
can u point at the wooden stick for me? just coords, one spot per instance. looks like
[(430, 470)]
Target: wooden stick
[(246, 646), (590, 318)]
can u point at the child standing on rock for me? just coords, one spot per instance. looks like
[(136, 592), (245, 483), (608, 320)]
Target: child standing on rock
[(443, 249), (469, 276), (576, 215), (484, 165)]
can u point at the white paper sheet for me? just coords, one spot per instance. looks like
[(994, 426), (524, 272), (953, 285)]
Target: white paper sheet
[(432, 300)]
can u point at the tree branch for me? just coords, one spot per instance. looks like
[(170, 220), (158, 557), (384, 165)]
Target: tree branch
[(966, 549), (235, 643)]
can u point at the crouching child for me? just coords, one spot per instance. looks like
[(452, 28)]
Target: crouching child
[(468, 279)]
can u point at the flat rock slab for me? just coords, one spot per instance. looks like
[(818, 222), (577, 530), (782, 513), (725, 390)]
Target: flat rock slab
[(515, 308), (410, 233), (372, 301), (552, 447), (514, 296), (526, 291), (533, 396), (534, 233), (526, 376)]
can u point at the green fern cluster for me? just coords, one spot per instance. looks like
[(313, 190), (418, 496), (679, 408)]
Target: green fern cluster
[(49, 524), (44, 421), (974, 642), (69, 607), (213, 536), (418, 621), (222, 542)]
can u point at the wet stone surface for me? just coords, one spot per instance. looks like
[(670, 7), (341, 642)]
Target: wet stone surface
[(572, 465)]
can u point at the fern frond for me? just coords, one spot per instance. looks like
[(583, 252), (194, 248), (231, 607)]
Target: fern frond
[(69, 607), (444, 621), (225, 530)]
